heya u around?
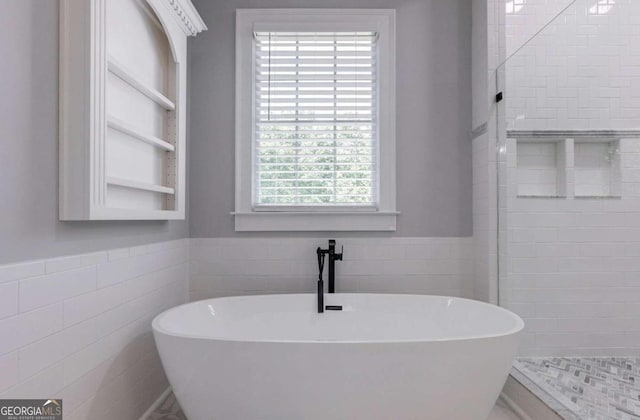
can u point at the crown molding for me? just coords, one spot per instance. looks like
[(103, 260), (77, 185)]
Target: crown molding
[(187, 16)]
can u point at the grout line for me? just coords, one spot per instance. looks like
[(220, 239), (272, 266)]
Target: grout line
[(19, 314), (98, 339)]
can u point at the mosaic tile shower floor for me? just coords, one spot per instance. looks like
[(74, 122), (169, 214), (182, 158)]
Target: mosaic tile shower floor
[(599, 388)]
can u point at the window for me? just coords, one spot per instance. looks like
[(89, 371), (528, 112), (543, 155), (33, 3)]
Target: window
[(315, 137), (514, 6), (315, 120), (602, 7)]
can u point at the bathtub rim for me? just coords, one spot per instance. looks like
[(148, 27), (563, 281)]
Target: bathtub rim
[(518, 328)]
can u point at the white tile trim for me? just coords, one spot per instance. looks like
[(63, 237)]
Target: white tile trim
[(156, 403), (514, 407)]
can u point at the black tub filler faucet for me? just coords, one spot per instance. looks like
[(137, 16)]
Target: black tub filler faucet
[(333, 257)]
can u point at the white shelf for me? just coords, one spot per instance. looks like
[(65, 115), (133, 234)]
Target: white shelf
[(128, 183), (597, 169), (128, 129), (585, 167), (122, 108), (541, 168), (127, 75)]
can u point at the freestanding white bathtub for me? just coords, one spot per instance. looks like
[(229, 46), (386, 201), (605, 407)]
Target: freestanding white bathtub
[(391, 357)]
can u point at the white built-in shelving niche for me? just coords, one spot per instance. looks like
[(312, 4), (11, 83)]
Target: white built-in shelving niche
[(587, 165), (597, 169), (122, 108), (541, 168)]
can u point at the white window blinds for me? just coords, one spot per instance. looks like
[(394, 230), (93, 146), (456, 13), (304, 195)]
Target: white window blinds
[(315, 139)]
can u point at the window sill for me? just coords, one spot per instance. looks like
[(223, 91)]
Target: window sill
[(314, 221)]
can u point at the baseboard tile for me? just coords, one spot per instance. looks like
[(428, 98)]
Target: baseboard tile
[(156, 404), (514, 407), (522, 400)]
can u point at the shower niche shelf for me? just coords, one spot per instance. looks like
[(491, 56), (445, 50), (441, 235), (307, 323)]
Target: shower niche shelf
[(584, 166), (122, 108), (541, 168), (597, 169)]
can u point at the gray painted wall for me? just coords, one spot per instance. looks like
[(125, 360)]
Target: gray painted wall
[(434, 120), (29, 226), (433, 114), (479, 62)]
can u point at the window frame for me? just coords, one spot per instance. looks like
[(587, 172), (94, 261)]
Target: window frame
[(309, 218)]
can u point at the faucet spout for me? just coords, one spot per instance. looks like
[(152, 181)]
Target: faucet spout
[(333, 257)]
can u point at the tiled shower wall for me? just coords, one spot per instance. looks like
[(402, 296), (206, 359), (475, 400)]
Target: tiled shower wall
[(524, 18), (484, 221), (233, 266), (580, 73), (569, 256), (79, 328), (488, 53), (573, 268)]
